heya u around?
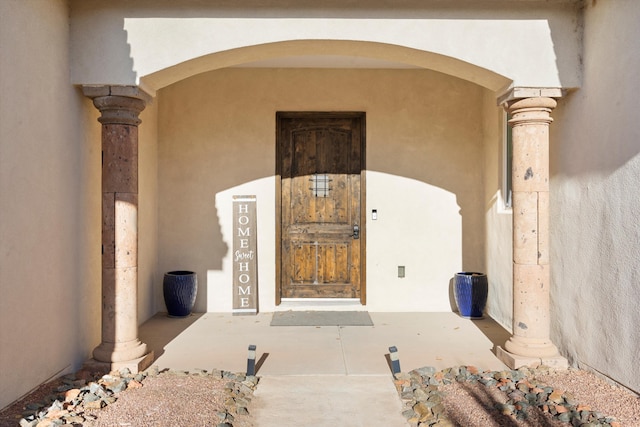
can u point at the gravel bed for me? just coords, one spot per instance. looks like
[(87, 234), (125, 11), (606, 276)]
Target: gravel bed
[(150, 398), (174, 399), (458, 396), (469, 397)]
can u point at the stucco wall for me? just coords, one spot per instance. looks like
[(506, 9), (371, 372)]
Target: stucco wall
[(148, 213), (424, 175), (50, 227), (498, 244), (491, 43), (595, 165)]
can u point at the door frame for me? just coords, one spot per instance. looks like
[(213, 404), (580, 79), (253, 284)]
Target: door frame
[(363, 217)]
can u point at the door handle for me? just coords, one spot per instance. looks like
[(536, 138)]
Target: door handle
[(356, 232)]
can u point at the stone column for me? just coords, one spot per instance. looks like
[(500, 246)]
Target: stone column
[(119, 108), (530, 344)]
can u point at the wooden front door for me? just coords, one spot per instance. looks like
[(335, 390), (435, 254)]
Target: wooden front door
[(320, 158)]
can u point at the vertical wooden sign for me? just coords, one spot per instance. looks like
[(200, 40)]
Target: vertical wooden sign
[(245, 256)]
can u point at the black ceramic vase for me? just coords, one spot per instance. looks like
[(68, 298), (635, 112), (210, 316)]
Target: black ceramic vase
[(470, 291), (180, 289)]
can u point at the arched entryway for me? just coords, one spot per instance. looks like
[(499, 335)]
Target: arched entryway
[(531, 330)]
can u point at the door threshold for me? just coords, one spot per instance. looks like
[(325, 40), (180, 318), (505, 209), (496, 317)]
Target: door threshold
[(320, 304)]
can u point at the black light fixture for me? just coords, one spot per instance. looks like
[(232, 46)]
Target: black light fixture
[(395, 360), (251, 360)]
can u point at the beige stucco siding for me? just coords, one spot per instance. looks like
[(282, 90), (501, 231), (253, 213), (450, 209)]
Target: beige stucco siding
[(424, 175), (148, 213), (139, 42), (498, 244), (50, 222), (595, 167)]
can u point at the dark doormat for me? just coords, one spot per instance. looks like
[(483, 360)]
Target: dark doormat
[(321, 318)]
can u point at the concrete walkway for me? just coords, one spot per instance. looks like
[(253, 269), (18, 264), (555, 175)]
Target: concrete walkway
[(330, 401), (324, 376)]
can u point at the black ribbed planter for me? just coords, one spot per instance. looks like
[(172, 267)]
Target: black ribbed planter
[(180, 289), (470, 291)]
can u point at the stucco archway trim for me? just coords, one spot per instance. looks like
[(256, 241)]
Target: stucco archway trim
[(349, 48)]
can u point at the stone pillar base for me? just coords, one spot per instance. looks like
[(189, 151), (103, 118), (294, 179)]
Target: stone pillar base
[(515, 361), (121, 351), (135, 365)]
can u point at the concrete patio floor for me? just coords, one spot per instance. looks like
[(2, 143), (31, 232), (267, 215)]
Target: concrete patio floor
[(221, 340), (326, 375)]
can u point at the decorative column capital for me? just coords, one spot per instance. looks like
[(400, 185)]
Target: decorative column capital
[(119, 110), (531, 110), (118, 104)]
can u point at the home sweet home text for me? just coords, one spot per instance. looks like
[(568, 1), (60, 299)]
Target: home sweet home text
[(245, 256)]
